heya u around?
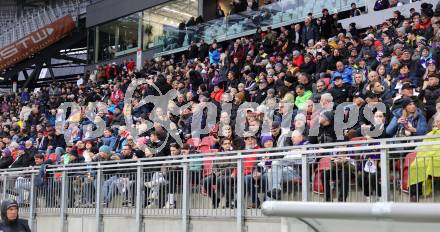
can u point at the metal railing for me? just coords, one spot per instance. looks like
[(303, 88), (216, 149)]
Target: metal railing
[(38, 18), (232, 184)]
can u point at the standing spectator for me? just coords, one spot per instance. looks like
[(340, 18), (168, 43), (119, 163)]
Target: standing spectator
[(203, 50), (219, 13), (214, 54), (327, 23), (309, 32), (395, 3), (381, 5), (354, 10)]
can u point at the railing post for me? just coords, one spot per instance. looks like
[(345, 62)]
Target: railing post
[(305, 178), (98, 199), (385, 181), (185, 198), (63, 210), (5, 183), (239, 212), (32, 204), (139, 202)]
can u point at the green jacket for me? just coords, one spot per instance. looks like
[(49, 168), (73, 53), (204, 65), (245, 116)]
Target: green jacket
[(301, 100)]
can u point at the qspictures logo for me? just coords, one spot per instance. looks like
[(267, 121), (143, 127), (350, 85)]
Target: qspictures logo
[(35, 41)]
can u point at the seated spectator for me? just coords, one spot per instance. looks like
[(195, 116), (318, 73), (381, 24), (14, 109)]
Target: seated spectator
[(285, 169), (430, 92), (321, 88), (408, 121), (326, 132), (423, 168), (341, 90), (24, 158), (6, 159), (222, 178), (339, 172), (302, 96), (342, 71)]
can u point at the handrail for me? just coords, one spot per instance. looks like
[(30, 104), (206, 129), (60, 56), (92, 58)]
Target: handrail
[(72, 7), (355, 211), (234, 155)]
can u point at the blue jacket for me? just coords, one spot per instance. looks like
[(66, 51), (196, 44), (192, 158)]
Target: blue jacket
[(419, 122), (346, 75), (109, 141), (214, 56), (25, 97)]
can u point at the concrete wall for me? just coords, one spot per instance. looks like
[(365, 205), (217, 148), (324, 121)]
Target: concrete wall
[(87, 223), (112, 9)]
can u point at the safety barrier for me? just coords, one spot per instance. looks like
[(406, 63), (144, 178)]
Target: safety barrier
[(231, 184)]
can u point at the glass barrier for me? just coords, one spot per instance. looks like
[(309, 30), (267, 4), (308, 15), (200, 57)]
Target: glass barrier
[(277, 14)]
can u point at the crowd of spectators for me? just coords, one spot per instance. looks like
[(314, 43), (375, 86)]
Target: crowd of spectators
[(297, 66)]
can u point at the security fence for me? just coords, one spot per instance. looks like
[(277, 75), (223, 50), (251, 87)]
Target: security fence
[(231, 184)]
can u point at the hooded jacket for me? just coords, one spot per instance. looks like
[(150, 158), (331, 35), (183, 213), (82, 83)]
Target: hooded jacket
[(17, 225)]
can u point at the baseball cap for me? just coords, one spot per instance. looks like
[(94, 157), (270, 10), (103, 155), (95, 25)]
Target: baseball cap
[(357, 94)]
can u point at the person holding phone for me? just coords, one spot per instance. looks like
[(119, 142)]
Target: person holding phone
[(408, 121)]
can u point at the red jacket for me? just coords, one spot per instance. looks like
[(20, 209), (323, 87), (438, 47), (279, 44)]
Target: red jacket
[(239, 54), (298, 61), (130, 66), (217, 96), (117, 96), (423, 26), (107, 71), (249, 163)]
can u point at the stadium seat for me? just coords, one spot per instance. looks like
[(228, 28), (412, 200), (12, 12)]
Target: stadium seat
[(358, 139), (207, 166), (208, 141), (407, 163), (318, 184), (195, 142)]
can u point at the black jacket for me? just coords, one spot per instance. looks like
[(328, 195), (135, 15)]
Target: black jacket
[(25, 160), (327, 22), (203, 51), (17, 225), (341, 94), (326, 135), (321, 66), (308, 68), (5, 162)]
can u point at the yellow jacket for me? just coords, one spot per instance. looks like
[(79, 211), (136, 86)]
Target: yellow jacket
[(426, 164)]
